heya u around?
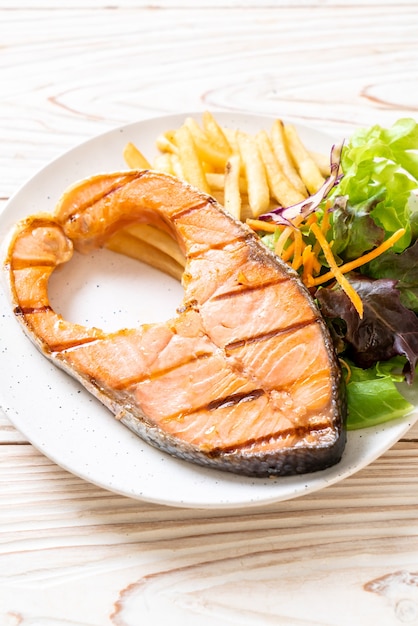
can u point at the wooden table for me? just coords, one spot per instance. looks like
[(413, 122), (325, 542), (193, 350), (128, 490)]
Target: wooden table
[(72, 553)]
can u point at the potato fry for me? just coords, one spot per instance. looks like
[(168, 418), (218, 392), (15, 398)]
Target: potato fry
[(247, 173), (134, 158), (158, 239), (123, 242), (212, 155), (219, 196), (215, 132), (197, 132), (280, 187), (165, 142), (322, 161), (216, 180), (284, 158), (246, 212), (163, 163), (176, 165), (189, 159), (258, 190), (231, 135), (307, 168), (232, 193)]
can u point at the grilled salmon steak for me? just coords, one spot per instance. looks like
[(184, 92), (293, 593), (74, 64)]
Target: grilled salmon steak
[(244, 379)]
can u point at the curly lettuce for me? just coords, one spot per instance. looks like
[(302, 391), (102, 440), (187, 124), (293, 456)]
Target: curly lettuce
[(380, 186), (372, 394), (376, 196)]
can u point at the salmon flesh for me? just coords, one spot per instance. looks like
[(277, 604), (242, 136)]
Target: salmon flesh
[(244, 379)]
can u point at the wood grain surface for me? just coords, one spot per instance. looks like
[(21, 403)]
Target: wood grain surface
[(74, 554)]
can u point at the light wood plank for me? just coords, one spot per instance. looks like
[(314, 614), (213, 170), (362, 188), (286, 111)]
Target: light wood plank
[(262, 63), (73, 554), (354, 542), (203, 4)]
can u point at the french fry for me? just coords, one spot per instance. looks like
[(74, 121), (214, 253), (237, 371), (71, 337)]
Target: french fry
[(163, 163), (232, 193), (134, 158), (281, 151), (198, 133), (189, 159), (208, 151), (218, 195), (322, 161), (248, 174), (215, 132), (123, 242), (169, 163), (159, 239), (216, 180), (258, 190), (231, 135), (307, 168), (246, 212), (176, 165), (280, 187), (165, 142)]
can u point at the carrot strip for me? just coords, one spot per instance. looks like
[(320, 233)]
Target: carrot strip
[(289, 252), (268, 227), (311, 218), (325, 224), (308, 263), (348, 368), (366, 258), (336, 272), (316, 263), (297, 254)]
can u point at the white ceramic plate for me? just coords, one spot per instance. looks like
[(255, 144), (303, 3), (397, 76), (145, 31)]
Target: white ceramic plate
[(71, 427)]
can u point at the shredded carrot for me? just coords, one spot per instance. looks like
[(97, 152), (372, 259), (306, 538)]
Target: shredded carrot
[(291, 247), (297, 253), (336, 272), (311, 218), (288, 253), (268, 227), (366, 258), (325, 224), (316, 263), (348, 368), (308, 265)]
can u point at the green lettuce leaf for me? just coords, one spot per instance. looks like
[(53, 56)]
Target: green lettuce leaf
[(354, 230), (401, 267), (382, 164), (372, 395)]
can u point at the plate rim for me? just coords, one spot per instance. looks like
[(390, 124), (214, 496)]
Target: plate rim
[(332, 476)]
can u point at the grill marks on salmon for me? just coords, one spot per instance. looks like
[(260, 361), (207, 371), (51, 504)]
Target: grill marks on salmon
[(244, 379)]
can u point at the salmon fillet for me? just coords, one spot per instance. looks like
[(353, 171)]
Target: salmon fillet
[(243, 379)]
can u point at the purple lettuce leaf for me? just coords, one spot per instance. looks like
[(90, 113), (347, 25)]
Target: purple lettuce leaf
[(282, 215), (402, 267), (387, 328)]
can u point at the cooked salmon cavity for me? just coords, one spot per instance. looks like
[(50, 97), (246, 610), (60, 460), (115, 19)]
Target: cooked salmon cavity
[(243, 379)]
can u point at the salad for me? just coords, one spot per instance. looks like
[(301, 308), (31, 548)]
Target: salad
[(355, 245)]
